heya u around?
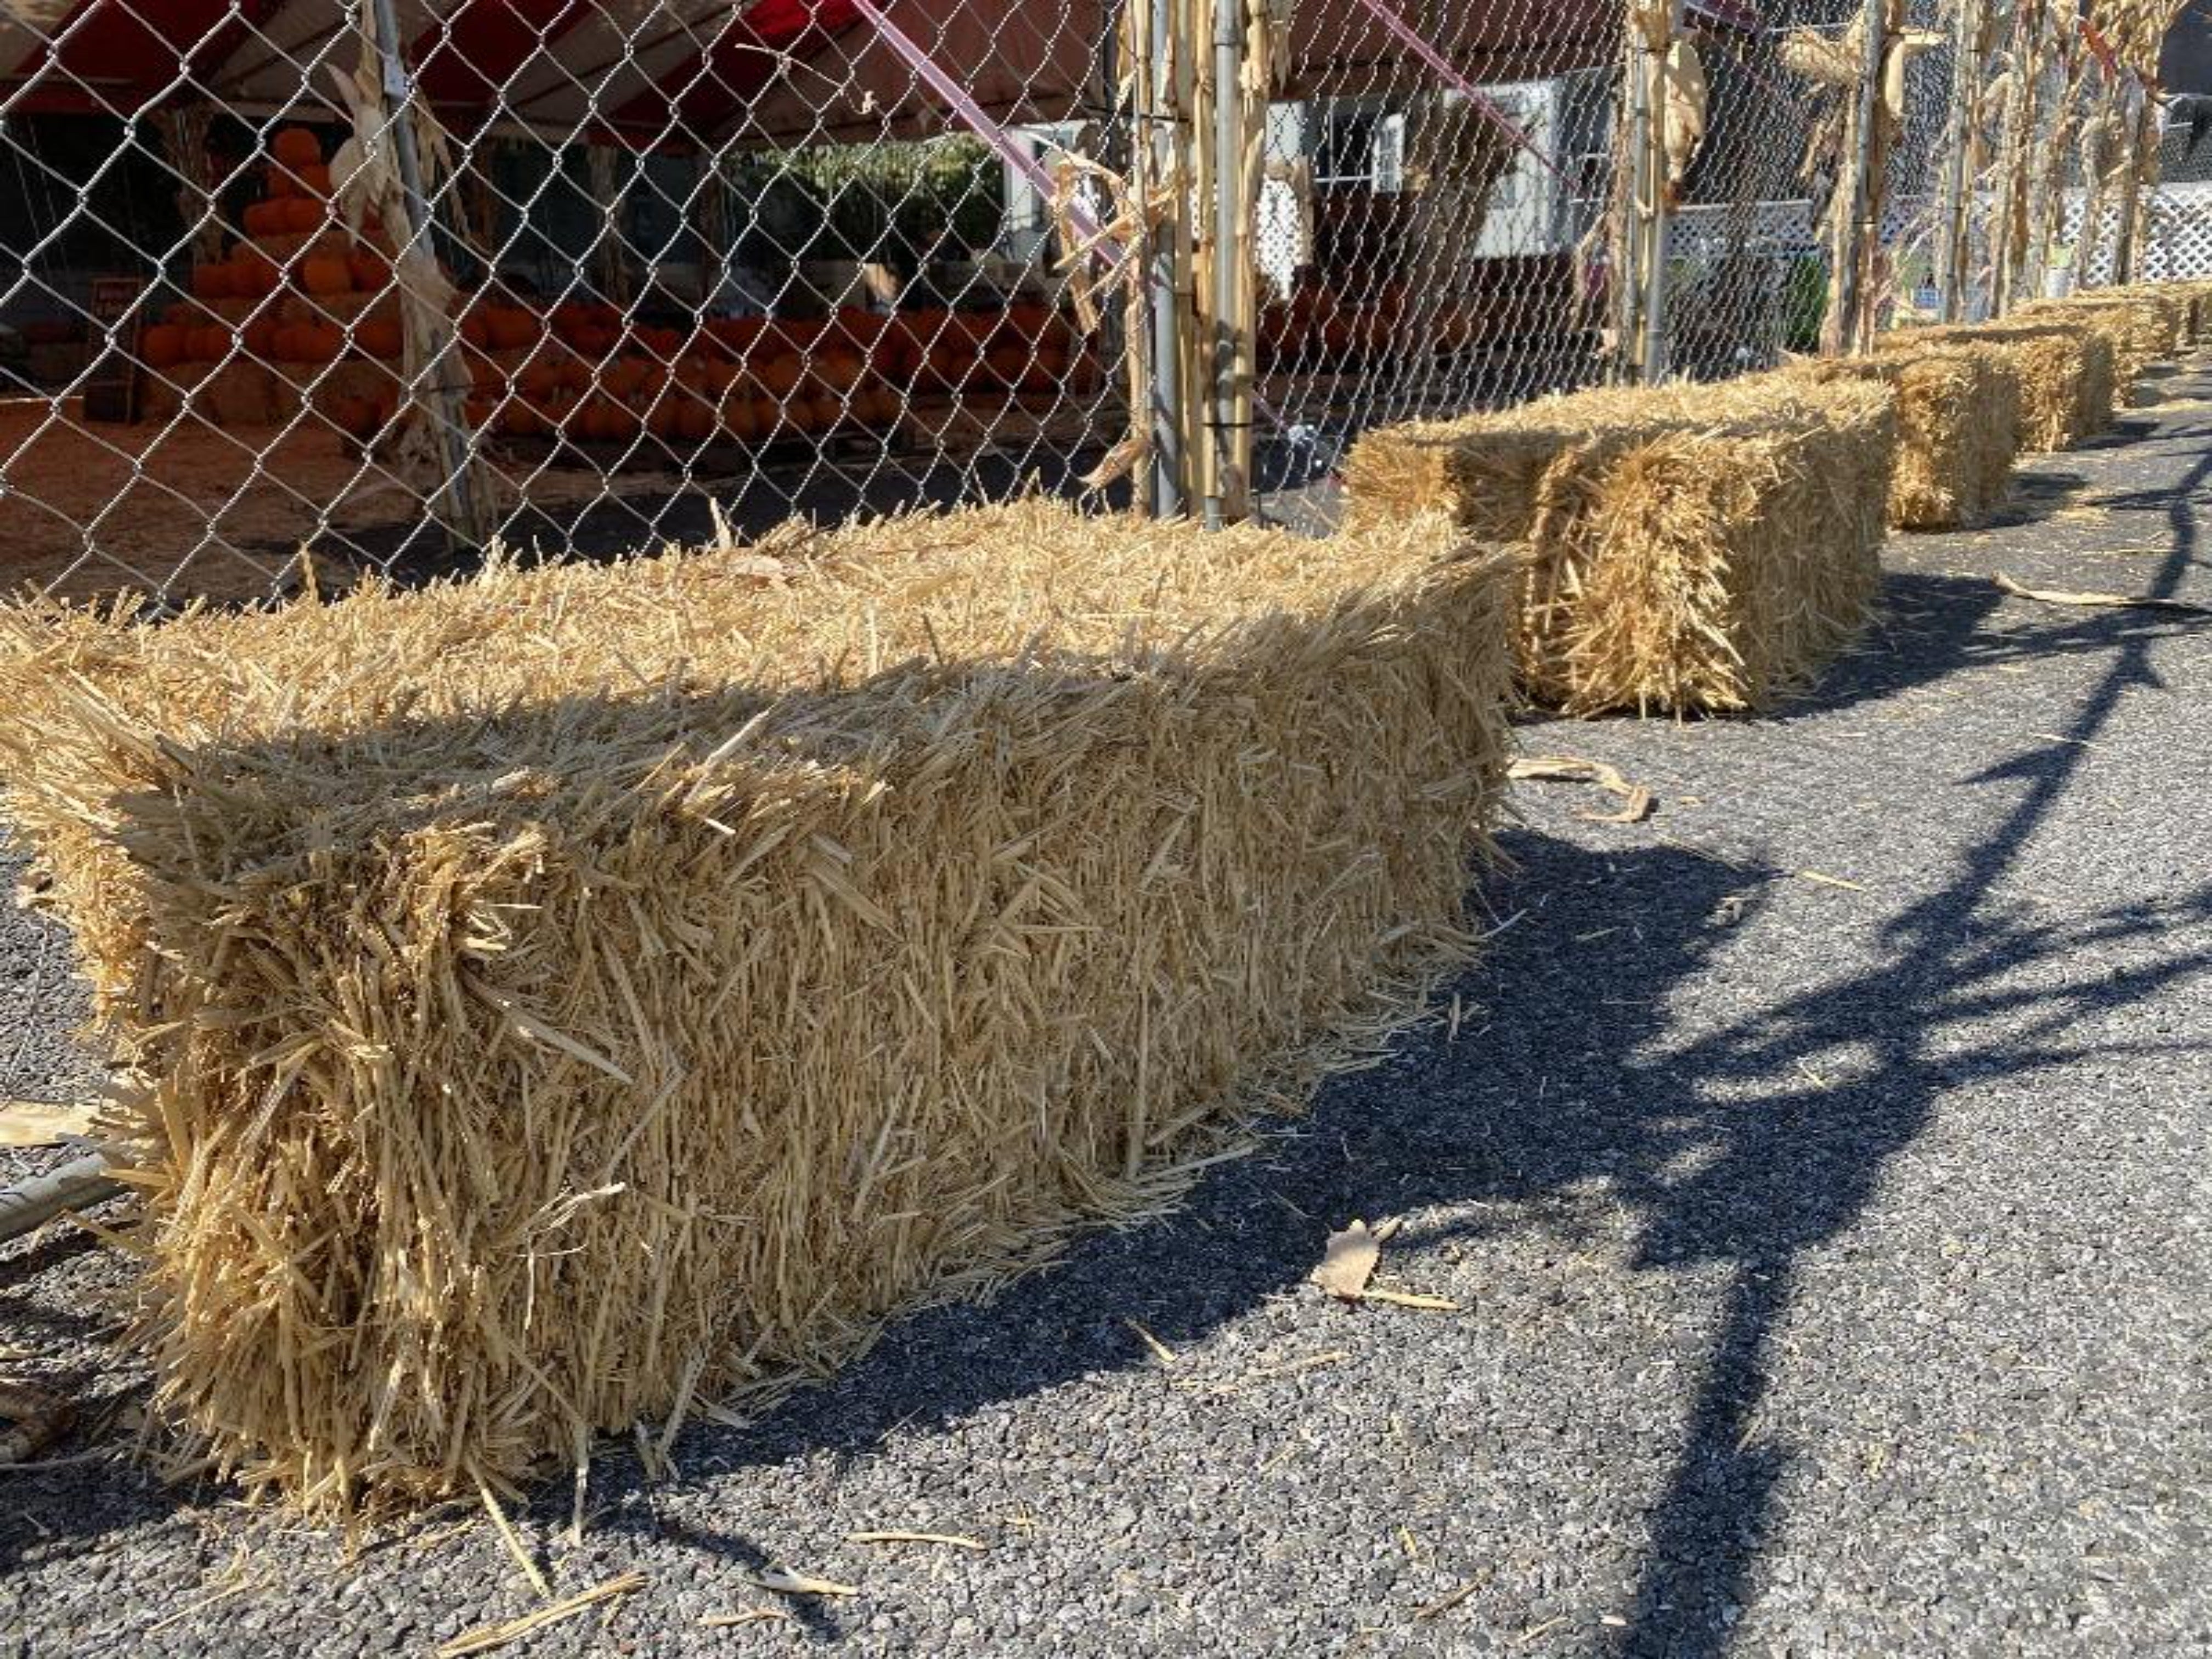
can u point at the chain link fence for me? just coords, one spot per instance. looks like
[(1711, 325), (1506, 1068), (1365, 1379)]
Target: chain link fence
[(292, 292)]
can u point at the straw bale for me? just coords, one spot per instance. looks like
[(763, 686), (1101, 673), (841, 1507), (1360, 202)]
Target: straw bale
[(1693, 548), (1958, 428), (2144, 327), (2064, 371), (563, 987)]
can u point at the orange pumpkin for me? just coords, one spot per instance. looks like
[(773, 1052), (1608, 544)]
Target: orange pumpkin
[(625, 376), (162, 346), (355, 417), (512, 328), (319, 343), (1008, 362), (253, 274), (372, 271), (212, 282), (282, 182), (296, 147), (742, 419), (695, 418), (379, 336), (779, 375), (302, 216), (1046, 370), (314, 179), (208, 345), (839, 368), (264, 218), (260, 338), (325, 274)]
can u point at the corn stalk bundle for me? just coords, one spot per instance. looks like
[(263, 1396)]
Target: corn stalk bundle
[(1847, 174), (566, 993), (184, 133), (2137, 32), (1691, 549), (431, 448)]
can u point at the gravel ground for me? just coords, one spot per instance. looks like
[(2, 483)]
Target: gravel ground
[(1820, 1169)]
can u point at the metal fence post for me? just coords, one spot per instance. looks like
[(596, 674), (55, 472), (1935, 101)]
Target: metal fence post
[(1853, 247), (1954, 224), (1657, 56), (1226, 355), (1629, 285), (1160, 116)]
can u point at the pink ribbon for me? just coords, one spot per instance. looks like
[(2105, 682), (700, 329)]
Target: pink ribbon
[(973, 117), (1449, 72)]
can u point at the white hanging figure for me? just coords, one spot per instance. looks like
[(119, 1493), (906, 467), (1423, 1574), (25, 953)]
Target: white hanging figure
[(1682, 81)]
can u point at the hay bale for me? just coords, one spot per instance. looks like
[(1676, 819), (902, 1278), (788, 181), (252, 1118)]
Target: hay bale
[(1958, 428), (2063, 371), (1692, 548), (2142, 327), (565, 993)]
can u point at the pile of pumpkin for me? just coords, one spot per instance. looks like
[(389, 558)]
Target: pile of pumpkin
[(580, 373), (1318, 325), (282, 291), (302, 293)]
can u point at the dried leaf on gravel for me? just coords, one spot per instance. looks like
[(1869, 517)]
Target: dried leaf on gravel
[(42, 1122), (1636, 801), (784, 1582), (2114, 601), (951, 1540), (1349, 1262), (485, 1637)]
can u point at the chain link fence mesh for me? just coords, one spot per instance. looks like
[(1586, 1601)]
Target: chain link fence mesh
[(294, 292)]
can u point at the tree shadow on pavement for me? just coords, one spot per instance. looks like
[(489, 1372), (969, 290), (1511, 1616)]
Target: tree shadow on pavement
[(1953, 961), (1578, 1069)]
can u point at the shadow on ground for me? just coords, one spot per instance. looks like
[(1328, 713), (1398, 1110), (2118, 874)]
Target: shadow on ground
[(1581, 1072)]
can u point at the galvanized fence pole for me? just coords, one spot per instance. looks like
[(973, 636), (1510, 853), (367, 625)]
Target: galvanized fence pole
[(1955, 220), (1854, 244)]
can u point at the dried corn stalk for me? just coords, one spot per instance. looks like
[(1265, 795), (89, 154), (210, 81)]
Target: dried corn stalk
[(431, 446), (184, 132)]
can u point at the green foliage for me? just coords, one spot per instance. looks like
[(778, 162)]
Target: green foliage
[(1804, 304), (895, 204)]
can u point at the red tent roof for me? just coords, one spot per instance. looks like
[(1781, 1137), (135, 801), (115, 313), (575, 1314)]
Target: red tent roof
[(686, 74)]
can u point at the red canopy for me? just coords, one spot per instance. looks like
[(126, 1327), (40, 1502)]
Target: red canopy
[(688, 74)]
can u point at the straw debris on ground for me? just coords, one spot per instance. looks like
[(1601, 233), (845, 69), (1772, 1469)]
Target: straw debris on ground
[(559, 991), (1691, 549)]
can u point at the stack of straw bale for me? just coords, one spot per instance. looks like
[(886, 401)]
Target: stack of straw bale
[(2141, 326), (2064, 372), (565, 995), (1957, 428), (1692, 548)]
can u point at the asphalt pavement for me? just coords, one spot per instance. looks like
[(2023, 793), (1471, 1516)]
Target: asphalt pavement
[(1819, 1169)]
